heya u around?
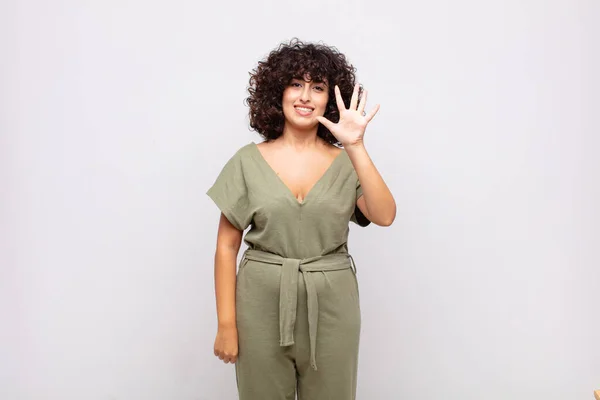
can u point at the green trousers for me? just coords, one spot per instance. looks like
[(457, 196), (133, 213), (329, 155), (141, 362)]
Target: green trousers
[(298, 327)]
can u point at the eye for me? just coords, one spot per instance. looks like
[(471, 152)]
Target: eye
[(319, 88)]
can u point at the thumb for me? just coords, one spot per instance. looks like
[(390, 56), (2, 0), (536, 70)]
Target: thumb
[(327, 123)]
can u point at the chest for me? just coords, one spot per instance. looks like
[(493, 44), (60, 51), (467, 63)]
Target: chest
[(299, 173)]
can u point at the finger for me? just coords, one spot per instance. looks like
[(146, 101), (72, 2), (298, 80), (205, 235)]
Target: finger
[(370, 116), (363, 102), (231, 359), (354, 99), (327, 123), (339, 100)]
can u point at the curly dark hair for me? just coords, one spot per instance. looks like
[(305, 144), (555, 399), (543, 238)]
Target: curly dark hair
[(292, 60)]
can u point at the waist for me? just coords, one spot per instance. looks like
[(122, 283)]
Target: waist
[(291, 269), (328, 262)]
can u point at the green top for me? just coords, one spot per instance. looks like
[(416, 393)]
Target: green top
[(249, 192)]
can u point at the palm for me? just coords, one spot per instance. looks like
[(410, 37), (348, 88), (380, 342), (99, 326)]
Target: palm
[(351, 126)]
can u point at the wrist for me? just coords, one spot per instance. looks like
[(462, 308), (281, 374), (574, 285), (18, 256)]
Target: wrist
[(228, 324), (357, 145)]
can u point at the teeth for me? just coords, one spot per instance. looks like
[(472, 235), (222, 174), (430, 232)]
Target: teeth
[(304, 109)]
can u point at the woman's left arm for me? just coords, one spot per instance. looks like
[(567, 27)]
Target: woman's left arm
[(377, 202)]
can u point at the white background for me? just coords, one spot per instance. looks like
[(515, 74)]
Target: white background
[(116, 117)]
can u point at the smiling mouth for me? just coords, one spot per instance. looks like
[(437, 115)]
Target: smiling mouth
[(304, 110)]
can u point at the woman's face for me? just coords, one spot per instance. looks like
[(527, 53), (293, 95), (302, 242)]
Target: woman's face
[(303, 100)]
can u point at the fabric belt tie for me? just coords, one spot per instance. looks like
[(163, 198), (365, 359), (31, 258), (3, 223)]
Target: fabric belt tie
[(288, 290)]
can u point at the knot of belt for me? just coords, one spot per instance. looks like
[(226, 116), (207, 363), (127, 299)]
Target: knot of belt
[(288, 290)]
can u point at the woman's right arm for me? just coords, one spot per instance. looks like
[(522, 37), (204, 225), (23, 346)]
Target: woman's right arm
[(229, 239)]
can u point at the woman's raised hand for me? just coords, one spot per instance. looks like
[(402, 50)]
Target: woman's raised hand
[(350, 129)]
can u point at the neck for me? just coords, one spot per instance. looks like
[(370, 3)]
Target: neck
[(299, 138)]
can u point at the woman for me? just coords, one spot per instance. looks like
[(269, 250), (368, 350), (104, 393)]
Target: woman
[(293, 308)]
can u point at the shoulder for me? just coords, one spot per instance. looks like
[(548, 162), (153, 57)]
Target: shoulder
[(242, 153), (343, 154), (347, 162), (336, 151), (245, 149)]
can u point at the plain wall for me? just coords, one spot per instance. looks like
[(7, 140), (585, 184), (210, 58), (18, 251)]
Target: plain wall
[(116, 117)]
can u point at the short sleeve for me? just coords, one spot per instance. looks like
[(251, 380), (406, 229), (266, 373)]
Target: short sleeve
[(230, 193), (357, 216)]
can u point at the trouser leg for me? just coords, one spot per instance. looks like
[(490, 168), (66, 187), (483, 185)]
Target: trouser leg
[(264, 369), (338, 336)]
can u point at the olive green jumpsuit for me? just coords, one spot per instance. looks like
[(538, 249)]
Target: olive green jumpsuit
[(297, 302)]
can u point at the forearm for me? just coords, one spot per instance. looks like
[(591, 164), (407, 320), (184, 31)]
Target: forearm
[(379, 201), (225, 281)]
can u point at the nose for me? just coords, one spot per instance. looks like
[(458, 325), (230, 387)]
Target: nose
[(305, 95)]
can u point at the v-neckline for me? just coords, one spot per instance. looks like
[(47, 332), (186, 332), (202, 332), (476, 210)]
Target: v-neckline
[(286, 187)]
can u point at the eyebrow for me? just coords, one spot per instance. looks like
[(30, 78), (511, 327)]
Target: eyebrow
[(321, 82)]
